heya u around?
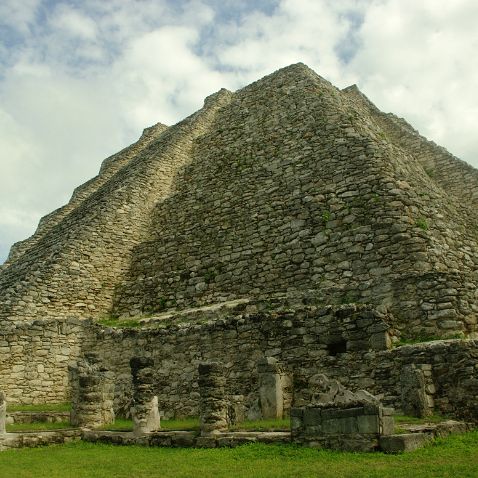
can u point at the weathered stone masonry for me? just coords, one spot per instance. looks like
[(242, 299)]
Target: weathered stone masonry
[(308, 199), (73, 267), (305, 342), (289, 188), (34, 358)]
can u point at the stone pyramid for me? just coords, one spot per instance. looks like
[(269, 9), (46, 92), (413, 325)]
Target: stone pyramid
[(288, 187)]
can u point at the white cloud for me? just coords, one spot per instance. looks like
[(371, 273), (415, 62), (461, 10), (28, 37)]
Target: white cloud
[(416, 60), (71, 22), (54, 132), (18, 15), (161, 77), (300, 30)]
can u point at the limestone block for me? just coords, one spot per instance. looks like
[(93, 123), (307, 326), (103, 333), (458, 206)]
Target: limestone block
[(368, 424), (272, 381), (403, 442), (414, 396), (296, 419), (388, 425), (312, 417), (3, 413)]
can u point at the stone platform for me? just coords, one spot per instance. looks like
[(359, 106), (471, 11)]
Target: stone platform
[(35, 417), (40, 438), (185, 439), (417, 436)]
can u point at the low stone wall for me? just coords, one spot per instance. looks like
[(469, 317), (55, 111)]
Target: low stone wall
[(348, 343), (35, 417), (185, 439), (34, 439), (450, 375), (303, 341), (351, 428)]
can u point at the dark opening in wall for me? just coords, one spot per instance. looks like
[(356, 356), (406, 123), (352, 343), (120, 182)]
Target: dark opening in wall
[(337, 347)]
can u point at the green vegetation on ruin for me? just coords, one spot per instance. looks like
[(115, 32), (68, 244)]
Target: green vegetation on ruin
[(120, 323), (419, 420), (36, 426), (454, 456), (40, 407), (422, 223), (263, 425), (419, 339)]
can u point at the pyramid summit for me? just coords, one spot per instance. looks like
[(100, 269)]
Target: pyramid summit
[(287, 187)]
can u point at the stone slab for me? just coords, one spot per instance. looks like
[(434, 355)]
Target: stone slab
[(403, 442)]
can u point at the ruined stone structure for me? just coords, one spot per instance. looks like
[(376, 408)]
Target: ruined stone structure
[(145, 411), (327, 230), (340, 419), (92, 393), (275, 388), (213, 402)]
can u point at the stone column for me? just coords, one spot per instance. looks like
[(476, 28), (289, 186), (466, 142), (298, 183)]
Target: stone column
[(414, 395), (213, 402), (145, 410), (92, 393), (3, 413), (271, 394)]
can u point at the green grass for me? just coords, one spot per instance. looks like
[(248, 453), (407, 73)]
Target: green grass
[(36, 426), (422, 223), (431, 338), (42, 407), (263, 425), (190, 423), (120, 424), (120, 323), (417, 420), (456, 456)]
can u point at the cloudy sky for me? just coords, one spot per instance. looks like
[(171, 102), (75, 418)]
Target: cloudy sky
[(80, 79)]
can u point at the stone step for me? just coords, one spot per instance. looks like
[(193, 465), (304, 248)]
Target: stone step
[(420, 434), (403, 442)]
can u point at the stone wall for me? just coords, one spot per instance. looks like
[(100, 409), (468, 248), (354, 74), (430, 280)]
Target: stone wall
[(304, 342), (295, 189), (34, 358), (288, 186), (72, 267), (349, 343), (356, 427)]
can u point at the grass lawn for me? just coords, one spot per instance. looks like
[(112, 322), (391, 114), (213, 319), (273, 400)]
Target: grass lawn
[(42, 407), (455, 456), (419, 421)]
